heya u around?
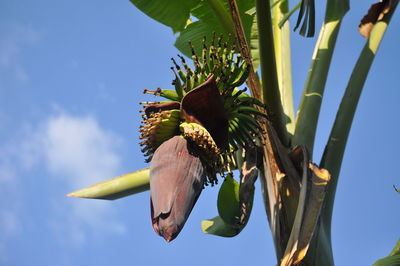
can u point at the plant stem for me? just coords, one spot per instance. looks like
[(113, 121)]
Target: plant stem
[(321, 248), (335, 148), (308, 113), (269, 77), (307, 117), (252, 80), (283, 60)]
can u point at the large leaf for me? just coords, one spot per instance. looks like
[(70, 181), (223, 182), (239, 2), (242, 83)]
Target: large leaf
[(213, 16), (172, 13), (118, 187), (393, 258)]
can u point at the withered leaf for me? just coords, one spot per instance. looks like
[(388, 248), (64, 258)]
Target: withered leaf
[(375, 13), (158, 107)]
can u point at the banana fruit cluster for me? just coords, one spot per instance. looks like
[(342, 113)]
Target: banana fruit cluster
[(213, 80), (199, 135), (156, 129), (220, 59)]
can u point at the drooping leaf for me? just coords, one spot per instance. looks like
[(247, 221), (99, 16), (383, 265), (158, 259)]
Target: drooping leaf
[(172, 13), (312, 194), (307, 11), (316, 194), (116, 188)]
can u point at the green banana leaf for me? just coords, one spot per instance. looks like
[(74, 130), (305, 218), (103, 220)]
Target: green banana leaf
[(172, 13), (213, 16), (116, 188), (393, 259), (208, 16)]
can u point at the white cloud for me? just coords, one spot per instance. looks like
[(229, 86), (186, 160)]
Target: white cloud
[(76, 152), (80, 153)]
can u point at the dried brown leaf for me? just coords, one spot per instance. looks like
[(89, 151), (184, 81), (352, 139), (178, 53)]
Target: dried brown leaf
[(375, 13), (159, 107)]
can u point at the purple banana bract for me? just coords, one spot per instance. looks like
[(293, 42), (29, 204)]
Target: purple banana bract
[(177, 177)]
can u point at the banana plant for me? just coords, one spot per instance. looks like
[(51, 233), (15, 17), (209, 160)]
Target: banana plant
[(208, 124)]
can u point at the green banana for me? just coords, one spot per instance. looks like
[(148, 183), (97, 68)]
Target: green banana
[(189, 83), (242, 77), (181, 74), (175, 113), (178, 85), (236, 70), (188, 70), (243, 132), (250, 110), (230, 100), (234, 140), (250, 122), (239, 138), (168, 94), (248, 100)]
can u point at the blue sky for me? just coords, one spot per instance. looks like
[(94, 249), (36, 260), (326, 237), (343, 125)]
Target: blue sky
[(71, 77)]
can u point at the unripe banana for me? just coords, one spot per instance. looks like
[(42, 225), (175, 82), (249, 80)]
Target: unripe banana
[(250, 110)]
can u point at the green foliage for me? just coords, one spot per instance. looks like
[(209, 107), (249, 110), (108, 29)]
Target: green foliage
[(268, 38), (392, 259), (172, 13), (195, 19)]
